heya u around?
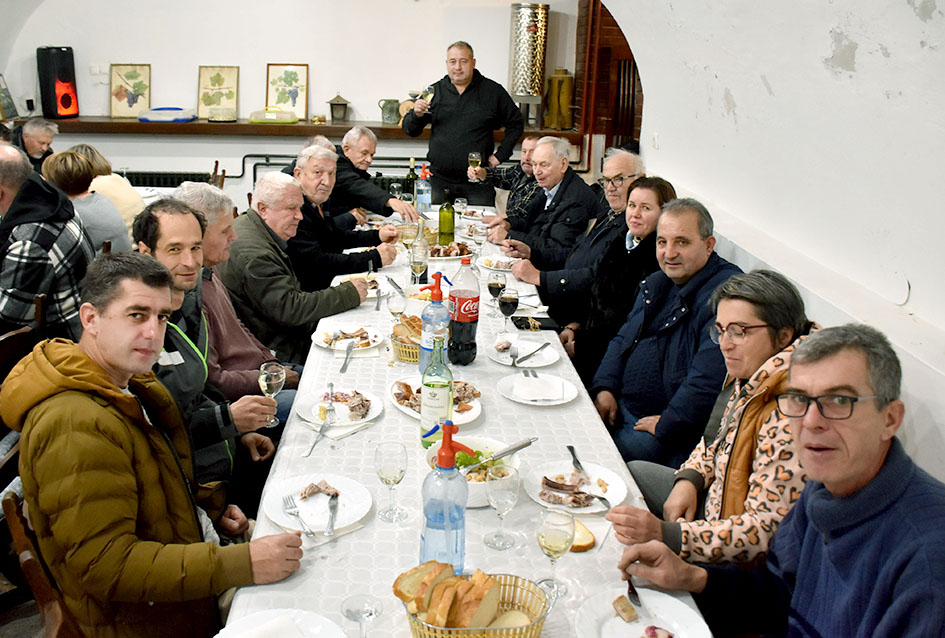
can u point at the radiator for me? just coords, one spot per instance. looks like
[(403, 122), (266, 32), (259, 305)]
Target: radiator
[(164, 179)]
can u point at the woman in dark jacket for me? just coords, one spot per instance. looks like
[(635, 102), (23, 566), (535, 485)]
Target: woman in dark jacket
[(626, 263)]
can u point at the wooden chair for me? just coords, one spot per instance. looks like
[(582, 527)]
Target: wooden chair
[(58, 620), (18, 343), (217, 177)]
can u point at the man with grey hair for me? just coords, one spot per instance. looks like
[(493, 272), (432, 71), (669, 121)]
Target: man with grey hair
[(35, 138), (464, 111), (519, 180), (662, 373), (234, 353), (862, 553), (44, 246), (263, 285), (317, 249), (556, 220)]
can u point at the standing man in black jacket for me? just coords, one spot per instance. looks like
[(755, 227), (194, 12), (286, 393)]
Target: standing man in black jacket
[(466, 108)]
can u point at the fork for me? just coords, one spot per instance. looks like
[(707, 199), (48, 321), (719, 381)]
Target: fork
[(288, 504), (513, 352)]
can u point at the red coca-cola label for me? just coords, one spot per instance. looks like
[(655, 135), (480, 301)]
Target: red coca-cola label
[(462, 308)]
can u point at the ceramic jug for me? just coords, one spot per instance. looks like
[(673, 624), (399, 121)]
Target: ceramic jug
[(390, 111)]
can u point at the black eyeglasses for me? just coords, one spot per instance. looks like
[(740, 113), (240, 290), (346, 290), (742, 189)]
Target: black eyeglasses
[(832, 406), (616, 181), (736, 332)]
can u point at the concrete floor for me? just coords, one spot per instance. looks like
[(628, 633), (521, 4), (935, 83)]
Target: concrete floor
[(22, 621)]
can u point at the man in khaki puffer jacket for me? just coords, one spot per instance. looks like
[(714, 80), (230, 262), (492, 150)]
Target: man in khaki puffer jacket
[(107, 471)]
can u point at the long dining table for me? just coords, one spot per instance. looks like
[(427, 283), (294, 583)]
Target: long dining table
[(368, 556)]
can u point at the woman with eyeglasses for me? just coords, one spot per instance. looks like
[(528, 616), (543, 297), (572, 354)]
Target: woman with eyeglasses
[(726, 501), (629, 259)]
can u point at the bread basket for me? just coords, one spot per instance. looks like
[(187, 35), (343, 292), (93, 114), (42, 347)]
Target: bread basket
[(515, 592), (408, 353)]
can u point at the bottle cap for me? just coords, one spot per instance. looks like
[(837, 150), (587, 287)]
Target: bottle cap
[(446, 457), (435, 293), (466, 261)]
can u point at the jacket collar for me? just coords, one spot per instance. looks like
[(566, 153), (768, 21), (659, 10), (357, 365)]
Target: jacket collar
[(36, 201)]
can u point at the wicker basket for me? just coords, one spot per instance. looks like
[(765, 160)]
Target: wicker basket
[(408, 353), (515, 592)]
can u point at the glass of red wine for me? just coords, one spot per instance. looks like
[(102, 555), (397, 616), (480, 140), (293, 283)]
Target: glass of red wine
[(496, 285), (508, 304)]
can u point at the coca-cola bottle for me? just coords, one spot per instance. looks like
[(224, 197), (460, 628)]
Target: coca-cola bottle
[(464, 314)]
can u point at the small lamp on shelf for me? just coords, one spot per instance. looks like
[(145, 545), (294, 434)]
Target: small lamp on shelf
[(339, 108)]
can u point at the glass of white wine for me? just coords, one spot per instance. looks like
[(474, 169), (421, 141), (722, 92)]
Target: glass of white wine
[(555, 535), (475, 160), (408, 234), (419, 255), (427, 94), (271, 380), (362, 609), (390, 461), (502, 483), (396, 303)]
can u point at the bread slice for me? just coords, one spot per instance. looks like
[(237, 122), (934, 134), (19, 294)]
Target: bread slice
[(511, 618), (583, 537), (480, 605), (624, 609), (440, 604), (461, 590), (416, 585)]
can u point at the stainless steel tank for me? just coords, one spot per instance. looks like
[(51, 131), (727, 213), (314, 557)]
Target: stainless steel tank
[(527, 44)]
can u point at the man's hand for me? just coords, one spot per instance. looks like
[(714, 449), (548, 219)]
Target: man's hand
[(493, 161), (681, 502), (517, 249), (260, 447), (359, 214), (606, 406), (656, 562), (291, 378), (634, 525), (566, 337), (361, 286), (525, 271), (420, 107), (406, 209), (647, 424), (252, 412), (274, 557), (388, 233), (497, 234), (388, 253), (233, 522), (476, 173)]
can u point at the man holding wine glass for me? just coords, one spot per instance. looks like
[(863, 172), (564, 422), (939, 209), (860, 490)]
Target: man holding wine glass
[(464, 110)]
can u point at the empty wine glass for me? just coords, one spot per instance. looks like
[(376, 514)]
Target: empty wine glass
[(396, 190), (271, 380), (362, 609), (508, 304), (390, 461), (496, 285), (502, 483), (555, 536), (475, 160), (460, 204)]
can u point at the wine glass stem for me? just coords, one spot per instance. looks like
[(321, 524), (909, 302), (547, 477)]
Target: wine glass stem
[(390, 490), (363, 626)]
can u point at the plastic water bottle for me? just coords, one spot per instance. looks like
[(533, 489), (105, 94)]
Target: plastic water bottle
[(444, 506), (435, 321), (424, 196)]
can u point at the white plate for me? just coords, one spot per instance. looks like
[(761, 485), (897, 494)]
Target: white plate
[(478, 497), (616, 488), (383, 286), (481, 263), (596, 617), (341, 344), (459, 418), (544, 358), (354, 502), (341, 410), (506, 385), (309, 624)]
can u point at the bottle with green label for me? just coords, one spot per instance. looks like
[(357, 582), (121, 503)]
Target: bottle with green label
[(436, 396), (447, 221)]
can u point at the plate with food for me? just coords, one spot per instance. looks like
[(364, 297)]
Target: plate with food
[(501, 352), (352, 407), (473, 215), (311, 493), (453, 250), (337, 338), (405, 395), (374, 285), (484, 448), (500, 264), (537, 389), (559, 486), (665, 616), (282, 622)]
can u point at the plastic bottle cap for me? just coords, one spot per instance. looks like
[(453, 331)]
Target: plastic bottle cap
[(436, 294), (446, 457)]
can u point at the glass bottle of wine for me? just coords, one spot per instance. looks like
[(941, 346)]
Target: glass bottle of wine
[(447, 220), (436, 398), (410, 181)]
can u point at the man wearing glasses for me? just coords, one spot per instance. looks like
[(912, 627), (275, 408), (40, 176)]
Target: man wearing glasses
[(863, 551)]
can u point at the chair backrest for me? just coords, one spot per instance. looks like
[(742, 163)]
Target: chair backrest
[(59, 621), (106, 247)]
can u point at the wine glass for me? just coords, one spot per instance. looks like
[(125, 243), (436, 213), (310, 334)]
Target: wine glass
[(419, 255), (495, 285), (460, 204), (396, 190), (555, 535), (271, 380), (362, 609), (427, 94), (475, 159), (508, 304), (502, 483), (408, 234), (396, 303), (390, 461)]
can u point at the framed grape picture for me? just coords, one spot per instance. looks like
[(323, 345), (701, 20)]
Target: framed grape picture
[(287, 88), (130, 89), (217, 87)]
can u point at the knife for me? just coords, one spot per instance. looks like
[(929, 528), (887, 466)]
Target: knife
[(533, 353), (395, 285), (348, 350), (577, 464), (512, 449), (332, 511)]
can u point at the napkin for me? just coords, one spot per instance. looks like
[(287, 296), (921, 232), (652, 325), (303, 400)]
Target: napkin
[(360, 353), (283, 626), (540, 389)]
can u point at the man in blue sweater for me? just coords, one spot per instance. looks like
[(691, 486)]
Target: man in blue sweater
[(862, 554)]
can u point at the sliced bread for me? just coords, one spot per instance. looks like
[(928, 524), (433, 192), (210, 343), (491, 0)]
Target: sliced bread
[(583, 537)]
